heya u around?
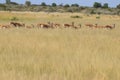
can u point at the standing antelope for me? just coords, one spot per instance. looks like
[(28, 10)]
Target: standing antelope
[(110, 27), (96, 26), (89, 25), (16, 24), (66, 25), (69, 25)]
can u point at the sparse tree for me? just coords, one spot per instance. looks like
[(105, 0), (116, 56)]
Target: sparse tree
[(14, 3), (8, 1), (27, 3), (75, 5), (105, 5), (97, 5), (118, 6), (54, 4), (43, 4), (66, 5)]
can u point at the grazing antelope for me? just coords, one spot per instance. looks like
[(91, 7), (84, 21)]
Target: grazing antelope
[(29, 27), (16, 24), (4, 26), (96, 26), (110, 27), (42, 25), (45, 26), (68, 25), (89, 25), (39, 25), (56, 25), (75, 27)]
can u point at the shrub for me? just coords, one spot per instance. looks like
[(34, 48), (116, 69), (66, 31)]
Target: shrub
[(27, 3), (14, 19), (97, 5), (54, 4), (98, 17), (118, 6), (105, 5), (43, 4), (76, 16), (66, 5), (92, 12)]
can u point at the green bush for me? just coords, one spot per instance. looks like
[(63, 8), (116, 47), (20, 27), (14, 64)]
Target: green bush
[(92, 12), (14, 19), (76, 16), (98, 17)]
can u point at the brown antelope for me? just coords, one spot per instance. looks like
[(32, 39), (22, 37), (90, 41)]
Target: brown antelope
[(110, 27), (16, 24), (56, 25), (68, 25), (89, 25), (45, 26), (39, 25), (96, 26), (4, 26), (75, 27), (29, 26), (42, 25)]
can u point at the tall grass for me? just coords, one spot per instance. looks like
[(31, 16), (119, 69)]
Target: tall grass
[(60, 54)]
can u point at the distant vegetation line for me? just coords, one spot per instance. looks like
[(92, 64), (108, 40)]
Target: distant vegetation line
[(97, 8)]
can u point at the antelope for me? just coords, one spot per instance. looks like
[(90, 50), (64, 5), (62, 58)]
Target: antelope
[(4, 26), (45, 26), (29, 27), (56, 25), (110, 27), (77, 27), (89, 25), (96, 26), (68, 25), (41, 25), (16, 24)]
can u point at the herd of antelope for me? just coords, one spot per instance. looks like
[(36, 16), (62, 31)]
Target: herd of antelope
[(53, 25)]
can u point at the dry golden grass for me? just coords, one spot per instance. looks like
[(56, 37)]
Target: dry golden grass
[(60, 54)]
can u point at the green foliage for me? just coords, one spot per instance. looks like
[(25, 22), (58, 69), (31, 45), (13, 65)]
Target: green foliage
[(7, 1), (66, 5), (105, 5), (2, 5), (76, 16), (98, 13), (27, 3), (43, 4), (118, 6), (98, 17), (97, 5), (14, 19), (54, 4), (75, 5), (92, 12), (14, 3)]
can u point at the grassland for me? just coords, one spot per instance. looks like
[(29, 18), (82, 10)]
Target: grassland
[(59, 54)]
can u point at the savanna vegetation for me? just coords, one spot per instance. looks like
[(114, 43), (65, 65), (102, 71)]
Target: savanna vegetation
[(91, 52), (97, 8), (59, 54)]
